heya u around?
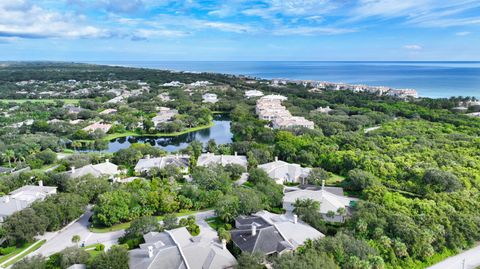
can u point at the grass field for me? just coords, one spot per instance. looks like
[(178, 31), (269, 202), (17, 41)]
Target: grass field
[(21, 101), (189, 130)]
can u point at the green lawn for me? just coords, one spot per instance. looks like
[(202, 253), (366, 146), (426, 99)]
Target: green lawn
[(125, 225), (91, 250), (216, 223), (21, 101), (335, 179), (131, 133), (37, 244)]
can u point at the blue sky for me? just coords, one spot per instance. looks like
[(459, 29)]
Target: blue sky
[(126, 30)]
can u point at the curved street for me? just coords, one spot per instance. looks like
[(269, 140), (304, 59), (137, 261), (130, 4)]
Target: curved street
[(469, 259)]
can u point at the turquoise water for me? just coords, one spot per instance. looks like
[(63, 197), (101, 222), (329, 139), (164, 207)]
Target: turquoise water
[(430, 79)]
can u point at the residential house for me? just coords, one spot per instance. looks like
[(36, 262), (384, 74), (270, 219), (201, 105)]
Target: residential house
[(106, 168), (210, 98), (164, 115), (22, 198), (269, 233), (253, 93), (181, 161), (282, 171), (178, 249), (210, 158), (331, 199), (98, 126)]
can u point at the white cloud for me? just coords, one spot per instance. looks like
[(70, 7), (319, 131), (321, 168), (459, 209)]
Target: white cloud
[(310, 31), (25, 20), (462, 33), (413, 47)]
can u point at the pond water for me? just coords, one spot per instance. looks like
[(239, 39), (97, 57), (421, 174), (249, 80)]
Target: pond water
[(220, 132)]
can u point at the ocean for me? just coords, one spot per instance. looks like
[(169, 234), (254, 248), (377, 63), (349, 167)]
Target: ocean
[(430, 79)]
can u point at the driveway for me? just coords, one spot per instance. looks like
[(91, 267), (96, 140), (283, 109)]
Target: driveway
[(469, 259), (57, 241)]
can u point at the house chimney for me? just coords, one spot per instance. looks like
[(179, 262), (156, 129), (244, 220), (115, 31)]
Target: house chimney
[(254, 229), (73, 169), (176, 156), (235, 153), (107, 160), (224, 244), (150, 251), (6, 199), (147, 156), (276, 158), (323, 184), (40, 183), (295, 219)]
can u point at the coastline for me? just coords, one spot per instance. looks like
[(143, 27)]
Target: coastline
[(432, 79)]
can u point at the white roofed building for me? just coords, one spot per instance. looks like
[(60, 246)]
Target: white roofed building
[(98, 126), (145, 164), (97, 170), (330, 199), (282, 171), (207, 159), (210, 98), (22, 198), (178, 249)]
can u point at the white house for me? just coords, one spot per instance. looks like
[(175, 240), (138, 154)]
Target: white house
[(164, 115), (145, 164), (331, 200), (97, 170), (207, 159), (282, 171), (210, 98), (22, 198), (98, 126), (178, 249)]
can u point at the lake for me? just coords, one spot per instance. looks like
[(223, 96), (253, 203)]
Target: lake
[(220, 132)]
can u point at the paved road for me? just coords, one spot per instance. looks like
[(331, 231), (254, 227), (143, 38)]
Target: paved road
[(57, 241), (471, 258)]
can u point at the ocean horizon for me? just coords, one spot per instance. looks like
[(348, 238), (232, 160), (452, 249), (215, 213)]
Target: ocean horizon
[(434, 79)]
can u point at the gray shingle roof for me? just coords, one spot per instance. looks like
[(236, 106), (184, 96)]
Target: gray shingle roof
[(178, 249)]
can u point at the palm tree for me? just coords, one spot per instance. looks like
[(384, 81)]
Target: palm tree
[(76, 239), (9, 154)]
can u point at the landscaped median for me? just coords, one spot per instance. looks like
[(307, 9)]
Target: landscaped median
[(19, 253), (126, 225), (109, 137)]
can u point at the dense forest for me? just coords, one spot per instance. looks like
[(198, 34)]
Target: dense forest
[(414, 163)]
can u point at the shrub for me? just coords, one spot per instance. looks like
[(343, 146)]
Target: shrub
[(100, 247)]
